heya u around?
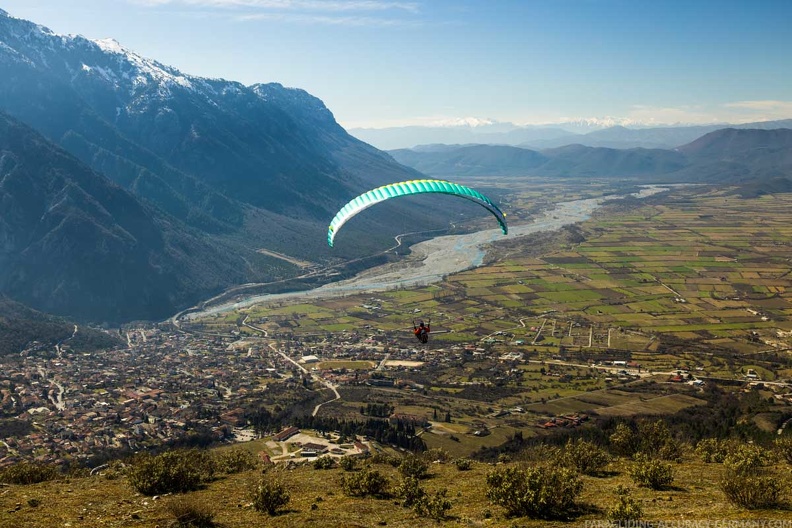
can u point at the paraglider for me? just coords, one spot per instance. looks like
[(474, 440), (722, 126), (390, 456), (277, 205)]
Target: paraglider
[(408, 188), (422, 331)]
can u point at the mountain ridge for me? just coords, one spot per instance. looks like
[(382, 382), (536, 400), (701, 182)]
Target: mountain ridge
[(731, 155)]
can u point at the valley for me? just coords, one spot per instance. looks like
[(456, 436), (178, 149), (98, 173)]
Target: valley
[(585, 320)]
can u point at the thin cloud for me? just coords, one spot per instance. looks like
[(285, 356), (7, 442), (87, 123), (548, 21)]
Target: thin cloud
[(763, 106), (358, 21), (351, 13), (293, 5)]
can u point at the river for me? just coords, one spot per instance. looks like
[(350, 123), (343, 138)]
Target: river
[(432, 260)]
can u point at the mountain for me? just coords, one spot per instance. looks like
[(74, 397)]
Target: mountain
[(220, 156), (72, 242), (606, 132), (470, 160), (22, 328), (760, 159), (571, 161), (621, 137), (393, 138), (583, 161), (205, 173), (728, 155)]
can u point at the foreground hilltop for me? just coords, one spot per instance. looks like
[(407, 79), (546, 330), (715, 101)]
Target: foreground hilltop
[(577, 482)]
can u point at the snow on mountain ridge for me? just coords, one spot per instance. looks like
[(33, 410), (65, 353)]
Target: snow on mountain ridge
[(471, 122), (147, 69)]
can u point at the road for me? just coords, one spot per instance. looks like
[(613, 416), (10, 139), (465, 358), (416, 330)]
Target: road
[(313, 376)]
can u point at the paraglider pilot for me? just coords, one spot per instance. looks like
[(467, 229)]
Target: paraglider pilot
[(422, 331)]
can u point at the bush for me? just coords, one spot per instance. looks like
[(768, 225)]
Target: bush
[(538, 492), (325, 462), (624, 441), (368, 482), (235, 461), (627, 509), (347, 463), (747, 459), (270, 495), (651, 473), (384, 458), (410, 491), (191, 513), (712, 450), (586, 457), (437, 454), (28, 473), (434, 506), (752, 492), (783, 446), (655, 439), (414, 466), (171, 472), (463, 464)]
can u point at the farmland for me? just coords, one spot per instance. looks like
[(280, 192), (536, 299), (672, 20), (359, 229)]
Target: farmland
[(693, 282)]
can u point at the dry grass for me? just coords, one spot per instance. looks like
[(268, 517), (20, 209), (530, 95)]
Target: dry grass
[(96, 501)]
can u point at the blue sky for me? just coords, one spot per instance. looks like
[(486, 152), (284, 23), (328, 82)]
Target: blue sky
[(393, 63)]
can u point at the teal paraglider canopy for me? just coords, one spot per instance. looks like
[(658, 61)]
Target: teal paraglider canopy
[(408, 188)]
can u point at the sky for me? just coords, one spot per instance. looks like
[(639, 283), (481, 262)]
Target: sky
[(382, 63)]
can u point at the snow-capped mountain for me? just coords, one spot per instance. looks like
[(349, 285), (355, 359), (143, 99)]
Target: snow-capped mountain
[(257, 166)]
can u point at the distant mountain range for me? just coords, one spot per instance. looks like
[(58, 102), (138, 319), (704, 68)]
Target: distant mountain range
[(597, 133), (727, 156), (214, 171)]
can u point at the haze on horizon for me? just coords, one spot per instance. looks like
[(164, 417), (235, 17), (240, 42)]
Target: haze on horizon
[(380, 63)]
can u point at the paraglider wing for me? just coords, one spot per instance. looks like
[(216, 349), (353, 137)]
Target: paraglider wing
[(407, 188)]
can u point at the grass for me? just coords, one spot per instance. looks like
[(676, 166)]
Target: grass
[(97, 501)]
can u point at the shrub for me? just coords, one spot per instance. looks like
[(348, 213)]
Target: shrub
[(384, 458), (434, 506), (410, 491), (655, 439), (624, 441), (438, 454), (783, 446), (347, 463), (190, 513), (171, 472), (752, 492), (627, 509), (270, 495), (463, 464), (586, 457), (540, 454), (539, 492), (235, 461), (325, 462), (712, 450), (747, 459), (414, 466), (651, 473), (368, 482), (28, 473)]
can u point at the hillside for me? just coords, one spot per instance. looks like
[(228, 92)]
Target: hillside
[(76, 244), (20, 327), (470, 160), (219, 170), (215, 154), (316, 498)]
